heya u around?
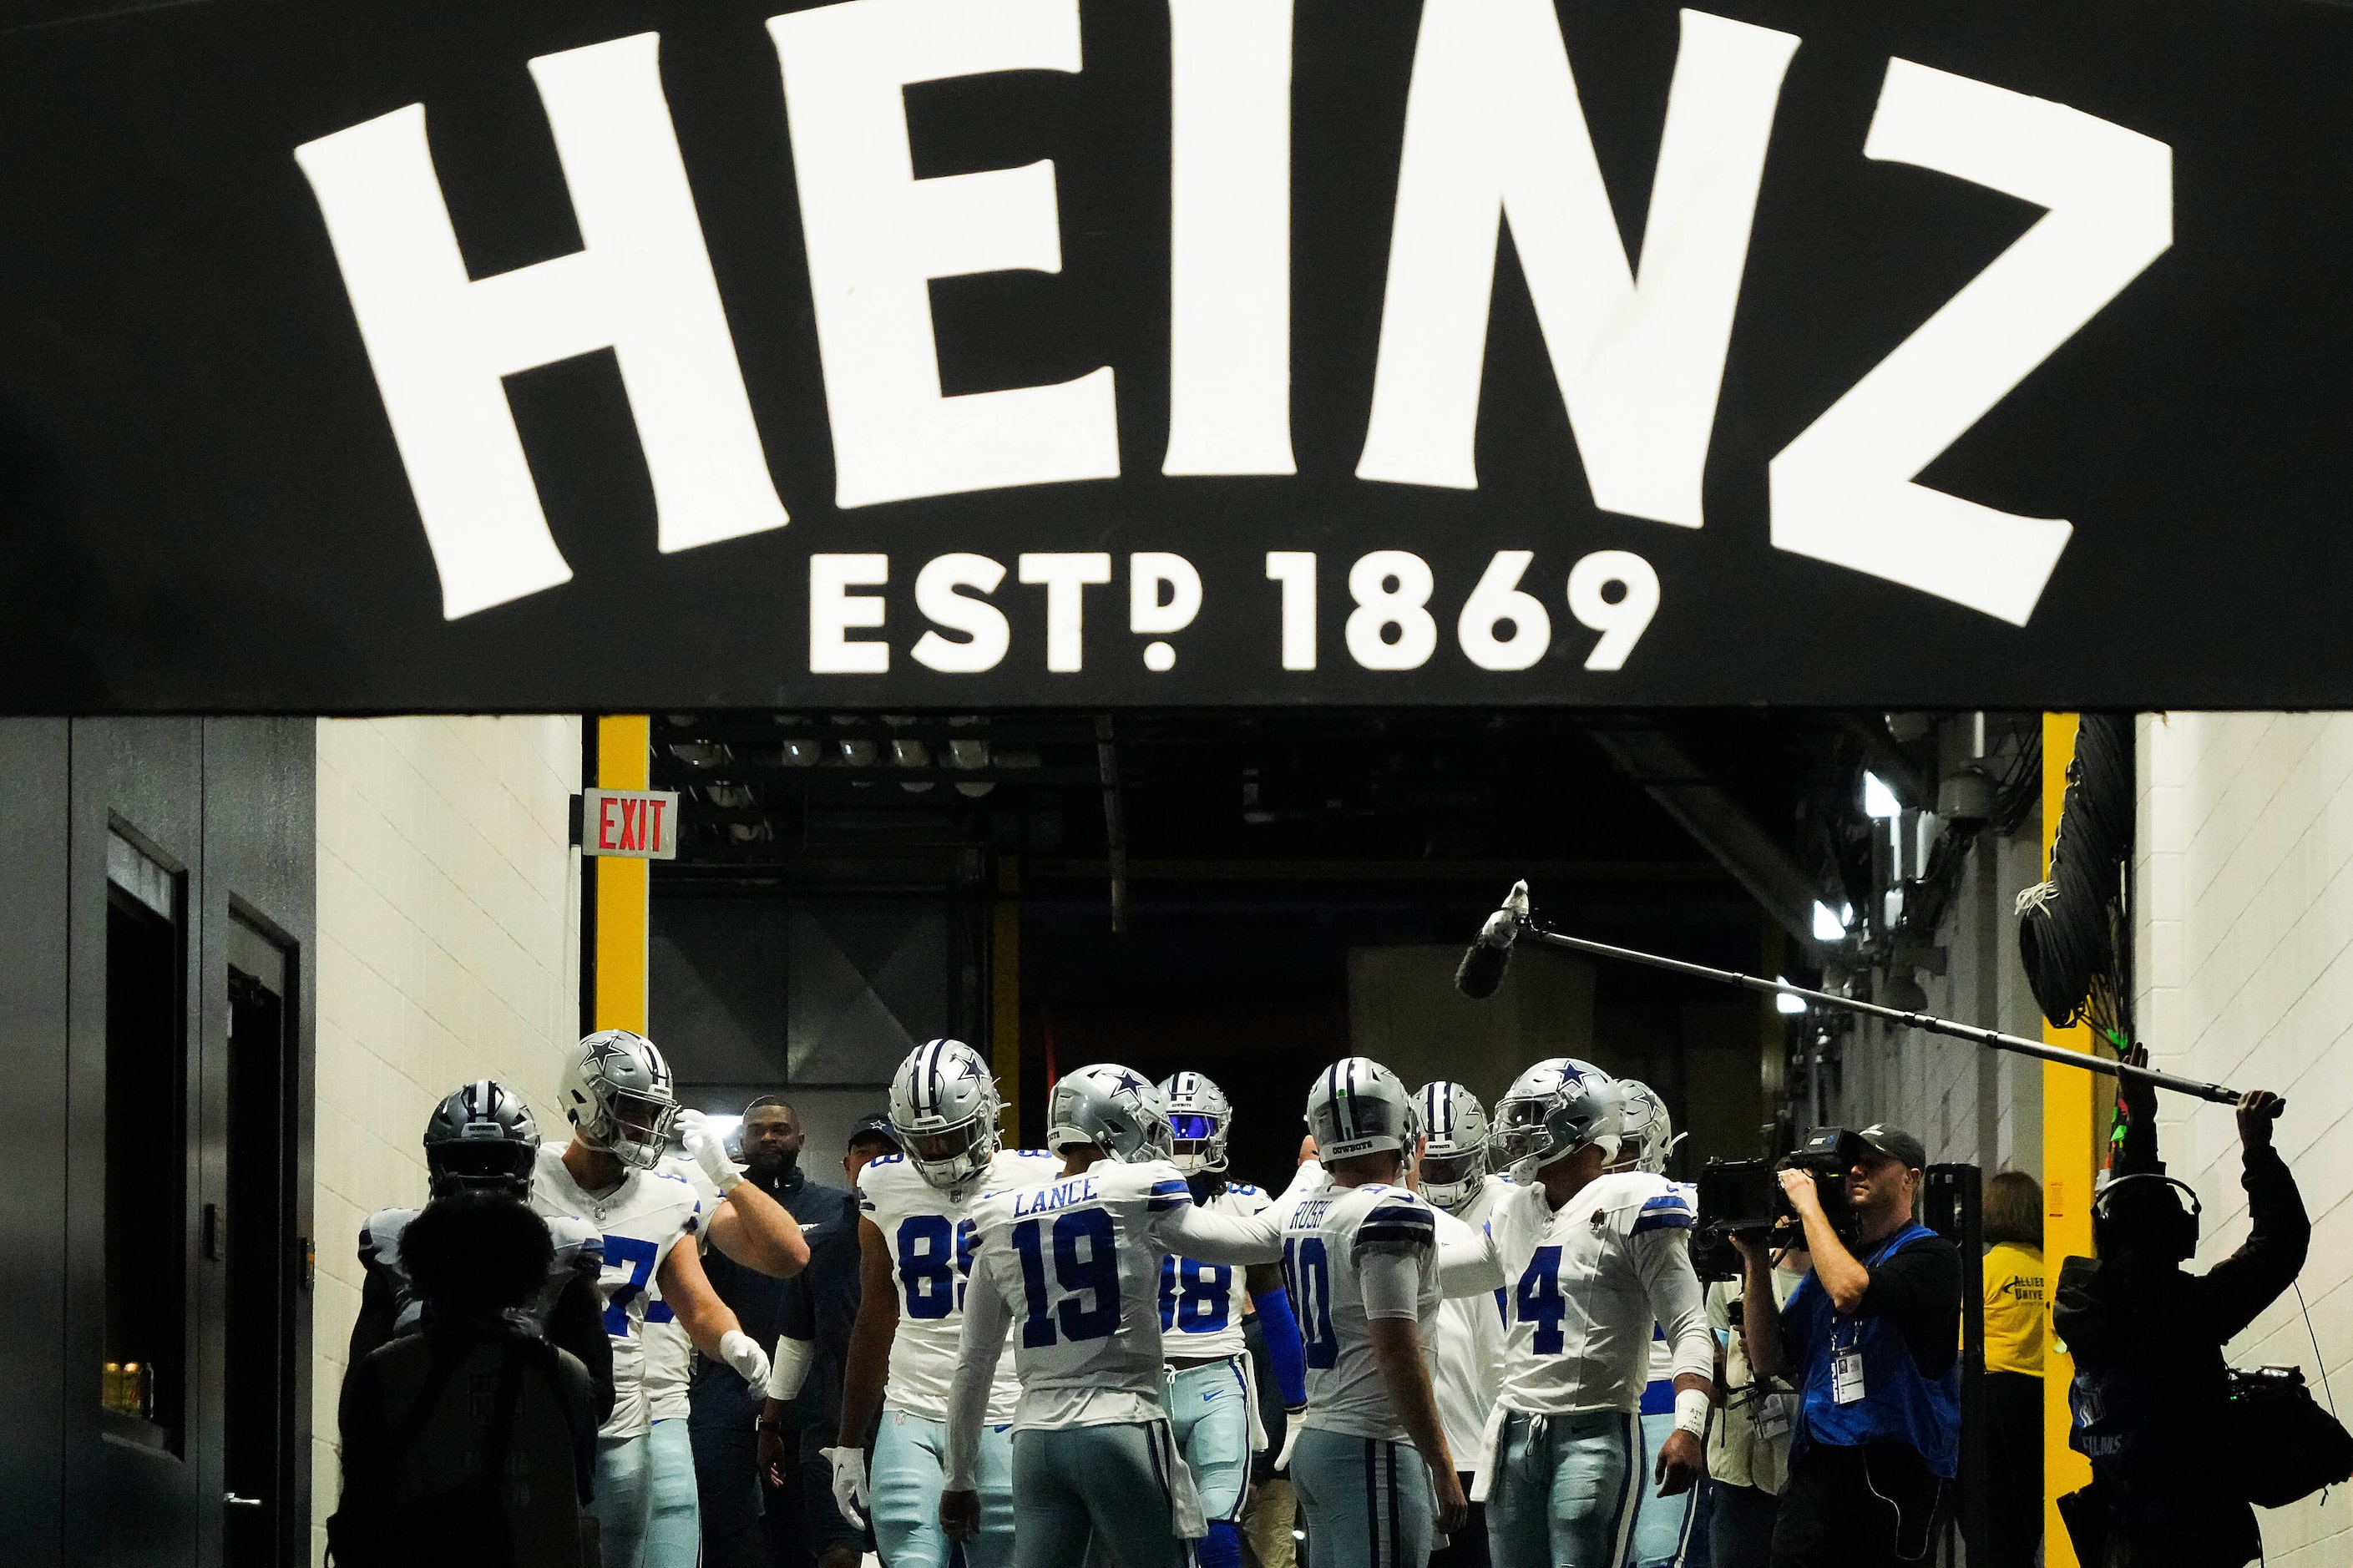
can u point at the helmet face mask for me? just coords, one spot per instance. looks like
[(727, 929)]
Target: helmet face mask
[(1552, 1110), (1200, 1116), (944, 1108), (617, 1094), (1454, 1157)]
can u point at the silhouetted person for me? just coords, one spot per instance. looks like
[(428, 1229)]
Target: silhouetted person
[(2151, 1387), (471, 1445)]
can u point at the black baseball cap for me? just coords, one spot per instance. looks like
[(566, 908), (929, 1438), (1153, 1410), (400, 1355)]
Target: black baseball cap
[(875, 1126), (1896, 1144)]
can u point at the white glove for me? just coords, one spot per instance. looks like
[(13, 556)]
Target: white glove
[(1290, 1428), (849, 1482), (741, 1351), (708, 1149)]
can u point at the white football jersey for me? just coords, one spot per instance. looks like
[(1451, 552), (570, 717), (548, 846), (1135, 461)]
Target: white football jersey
[(929, 1236), (1201, 1303), (1471, 1337), (1325, 1232), (578, 1249), (1586, 1283), (669, 1353), (1078, 1260), (641, 1220)]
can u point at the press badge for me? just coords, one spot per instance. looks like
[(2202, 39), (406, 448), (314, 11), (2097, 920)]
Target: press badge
[(1773, 1417), (1846, 1376)]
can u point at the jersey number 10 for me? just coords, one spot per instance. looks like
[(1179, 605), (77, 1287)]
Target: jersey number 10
[(1305, 1272), (1095, 1276)]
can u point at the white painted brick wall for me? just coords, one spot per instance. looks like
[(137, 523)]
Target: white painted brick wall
[(449, 950), (1968, 1105), (2243, 965)]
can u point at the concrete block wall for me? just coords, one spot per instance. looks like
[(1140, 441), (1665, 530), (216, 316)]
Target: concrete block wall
[(1967, 1104), (449, 950), (2243, 974)]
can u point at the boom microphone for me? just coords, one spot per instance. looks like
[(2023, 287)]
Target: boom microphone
[(1482, 965)]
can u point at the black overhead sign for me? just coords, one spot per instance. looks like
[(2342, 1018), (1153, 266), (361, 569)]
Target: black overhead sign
[(523, 355)]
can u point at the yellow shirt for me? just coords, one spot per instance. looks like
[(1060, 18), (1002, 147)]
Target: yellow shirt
[(2014, 1309)]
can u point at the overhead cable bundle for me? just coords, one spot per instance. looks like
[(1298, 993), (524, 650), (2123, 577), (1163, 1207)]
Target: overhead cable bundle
[(2068, 924)]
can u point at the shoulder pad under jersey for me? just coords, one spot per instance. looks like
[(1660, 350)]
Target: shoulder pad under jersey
[(1397, 1222)]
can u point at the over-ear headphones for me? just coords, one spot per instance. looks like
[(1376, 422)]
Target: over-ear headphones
[(2174, 1231)]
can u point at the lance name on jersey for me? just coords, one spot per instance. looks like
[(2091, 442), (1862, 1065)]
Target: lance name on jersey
[(929, 1237)]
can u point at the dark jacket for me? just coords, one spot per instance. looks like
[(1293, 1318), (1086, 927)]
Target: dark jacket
[(465, 1448), (2151, 1390)]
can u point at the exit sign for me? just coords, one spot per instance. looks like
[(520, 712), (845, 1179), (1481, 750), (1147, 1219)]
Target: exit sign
[(641, 825)]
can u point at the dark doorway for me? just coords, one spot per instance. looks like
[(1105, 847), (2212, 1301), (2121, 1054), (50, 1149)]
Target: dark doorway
[(255, 1235), (144, 1390)]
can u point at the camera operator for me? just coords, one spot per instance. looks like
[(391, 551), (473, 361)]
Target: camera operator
[(2151, 1395), (1872, 1337)]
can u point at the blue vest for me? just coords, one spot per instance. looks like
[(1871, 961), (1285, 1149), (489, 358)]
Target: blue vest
[(1900, 1405)]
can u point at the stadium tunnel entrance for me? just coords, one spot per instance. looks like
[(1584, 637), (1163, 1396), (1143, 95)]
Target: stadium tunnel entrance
[(1253, 896)]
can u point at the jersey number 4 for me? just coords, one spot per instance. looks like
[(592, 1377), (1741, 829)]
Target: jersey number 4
[(1094, 1276), (1540, 1300), (1309, 1277)]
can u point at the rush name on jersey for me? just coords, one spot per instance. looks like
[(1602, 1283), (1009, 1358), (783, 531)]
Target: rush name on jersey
[(1201, 1303), (641, 1220), (929, 1235), (1586, 1283), (579, 1248), (670, 1354), (1325, 1234)]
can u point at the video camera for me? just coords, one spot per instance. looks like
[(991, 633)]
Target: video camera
[(1744, 1198)]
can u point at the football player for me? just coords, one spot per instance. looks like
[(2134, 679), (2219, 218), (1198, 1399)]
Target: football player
[(616, 1091), (1590, 1260), (1663, 1525), (1212, 1399), (749, 1227), (481, 1138), (915, 1249), (1368, 1459), (1454, 1175), (1077, 1262)]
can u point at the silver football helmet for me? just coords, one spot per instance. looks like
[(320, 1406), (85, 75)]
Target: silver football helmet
[(616, 1092), (1358, 1107), (1647, 1133), (1454, 1159), (1119, 1112), (482, 1138), (1552, 1110), (1199, 1114), (943, 1107)]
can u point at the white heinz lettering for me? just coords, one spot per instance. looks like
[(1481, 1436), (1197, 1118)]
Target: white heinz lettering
[(1229, 237), (1494, 132), (641, 285), (877, 236), (1843, 491)]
